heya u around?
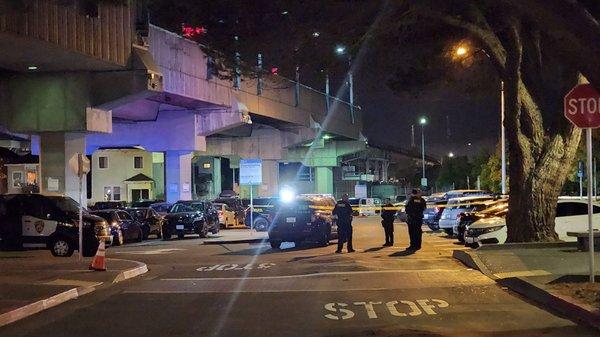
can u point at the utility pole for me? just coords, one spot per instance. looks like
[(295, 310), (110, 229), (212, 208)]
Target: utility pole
[(502, 137)]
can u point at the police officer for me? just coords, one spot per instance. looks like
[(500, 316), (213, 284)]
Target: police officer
[(414, 217), (343, 212), (388, 214)]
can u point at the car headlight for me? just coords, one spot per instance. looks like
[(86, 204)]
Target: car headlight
[(492, 229)]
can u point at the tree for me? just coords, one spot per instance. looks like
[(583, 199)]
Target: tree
[(490, 174), (538, 49)]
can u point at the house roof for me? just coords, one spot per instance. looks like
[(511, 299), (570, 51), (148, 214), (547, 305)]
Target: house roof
[(139, 177)]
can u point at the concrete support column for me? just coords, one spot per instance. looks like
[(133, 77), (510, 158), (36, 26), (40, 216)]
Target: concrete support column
[(270, 177), (178, 175), (217, 187), (56, 149), (324, 179)]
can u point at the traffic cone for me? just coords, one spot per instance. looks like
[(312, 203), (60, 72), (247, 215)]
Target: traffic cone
[(99, 263)]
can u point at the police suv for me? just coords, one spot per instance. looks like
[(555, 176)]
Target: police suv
[(305, 218), (52, 222)]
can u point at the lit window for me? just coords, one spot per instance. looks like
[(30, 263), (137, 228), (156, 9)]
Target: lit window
[(138, 162), (103, 162), (107, 193)]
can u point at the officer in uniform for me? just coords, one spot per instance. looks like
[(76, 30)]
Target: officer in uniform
[(414, 217), (388, 214), (343, 212)]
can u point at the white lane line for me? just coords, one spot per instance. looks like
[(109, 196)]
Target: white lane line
[(258, 291), (310, 275)]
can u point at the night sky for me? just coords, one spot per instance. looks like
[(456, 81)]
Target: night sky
[(461, 102)]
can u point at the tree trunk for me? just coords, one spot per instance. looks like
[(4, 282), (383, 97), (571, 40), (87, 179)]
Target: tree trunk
[(540, 162)]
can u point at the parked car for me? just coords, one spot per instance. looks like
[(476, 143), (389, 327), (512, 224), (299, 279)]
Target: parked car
[(235, 204), (456, 206), (123, 227), (226, 215), (433, 213), (100, 205), (191, 217), (464, 193), (150, 221), (306, 218), (52, 222), (495, 209), (145, 203), (571, 216), (265, 210), (162, 208)]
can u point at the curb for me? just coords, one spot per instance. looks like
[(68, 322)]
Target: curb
[(529, 245), (141, 268), (563, 304), (472, 261), (230, 242), (52, 301), (35, 307)]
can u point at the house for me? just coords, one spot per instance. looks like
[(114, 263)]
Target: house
[(122, 174)]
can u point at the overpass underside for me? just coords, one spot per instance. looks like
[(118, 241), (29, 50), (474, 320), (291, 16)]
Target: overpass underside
[(91, 92)]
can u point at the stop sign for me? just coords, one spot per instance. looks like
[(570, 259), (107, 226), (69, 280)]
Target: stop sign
[(582, 106)]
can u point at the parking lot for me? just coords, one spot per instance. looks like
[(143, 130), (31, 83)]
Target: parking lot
[(201, 289)]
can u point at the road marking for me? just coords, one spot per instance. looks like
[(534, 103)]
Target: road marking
[(342, 311), (234, 266), (307, 275), (523, 273), (151, 252)]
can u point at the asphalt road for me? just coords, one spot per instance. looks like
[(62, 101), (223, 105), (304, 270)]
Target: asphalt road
[(251, 290)]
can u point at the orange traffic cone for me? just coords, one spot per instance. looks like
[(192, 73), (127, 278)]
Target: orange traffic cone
[(99, 263)]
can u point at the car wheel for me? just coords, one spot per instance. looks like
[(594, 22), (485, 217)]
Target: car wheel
[(141, 236), (118, 239), (326, 238), (166, 234), (203, 232), (275, 244), (449, 231), (145, 232), (61, 247), (261, 225)]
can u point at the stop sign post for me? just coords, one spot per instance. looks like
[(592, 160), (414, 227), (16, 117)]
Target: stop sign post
[(582, 108)]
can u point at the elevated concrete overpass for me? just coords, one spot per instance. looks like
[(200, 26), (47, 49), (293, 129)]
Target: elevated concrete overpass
[(78, 83)]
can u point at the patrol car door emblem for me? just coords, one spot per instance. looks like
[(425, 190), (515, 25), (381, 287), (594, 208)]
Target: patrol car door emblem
[(39, 226)]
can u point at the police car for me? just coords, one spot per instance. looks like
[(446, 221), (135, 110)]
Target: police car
[(35, 220)]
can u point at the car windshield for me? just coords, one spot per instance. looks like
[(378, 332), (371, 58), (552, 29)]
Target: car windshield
[(178, 208), (65, 204), (138, 214)]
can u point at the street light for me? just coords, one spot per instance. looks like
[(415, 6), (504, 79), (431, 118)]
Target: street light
[(423, 122), (462, 51), (451, 154), (341, 50)]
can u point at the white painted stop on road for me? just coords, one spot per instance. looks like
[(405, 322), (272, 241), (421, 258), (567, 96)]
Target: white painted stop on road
[(582, 106)]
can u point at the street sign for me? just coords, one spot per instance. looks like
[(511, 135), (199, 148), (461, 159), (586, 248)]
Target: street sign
[(424, 182), (250, 172), (79, 164), (582, 106)]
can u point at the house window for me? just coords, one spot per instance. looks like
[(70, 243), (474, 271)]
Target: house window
[(17, 179), (107, 193), (103, 162), (138, 162), (116, 193), (306, 173)]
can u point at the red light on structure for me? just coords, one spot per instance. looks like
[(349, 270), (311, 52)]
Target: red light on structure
[(275, 70), (190, 32)]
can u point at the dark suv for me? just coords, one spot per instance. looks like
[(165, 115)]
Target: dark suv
[(306, 218), (189, 217), (35, 220)]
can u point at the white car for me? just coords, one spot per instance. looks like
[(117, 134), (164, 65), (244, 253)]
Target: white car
[(450, 216), (571, 215)]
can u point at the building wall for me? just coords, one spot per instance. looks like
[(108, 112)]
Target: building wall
[(120, 168)]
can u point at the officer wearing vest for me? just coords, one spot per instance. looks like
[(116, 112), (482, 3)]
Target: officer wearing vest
[(343, 212), (414, 217)]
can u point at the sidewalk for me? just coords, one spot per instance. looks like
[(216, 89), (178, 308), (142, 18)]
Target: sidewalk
[(32, 281), (549, 274), (236, 236)]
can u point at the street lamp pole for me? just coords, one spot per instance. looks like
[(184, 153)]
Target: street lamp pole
[(423, 121), (502, 137)]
